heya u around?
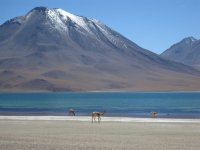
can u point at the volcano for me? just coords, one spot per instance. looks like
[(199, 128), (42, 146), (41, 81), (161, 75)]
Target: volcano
[(49, 49)]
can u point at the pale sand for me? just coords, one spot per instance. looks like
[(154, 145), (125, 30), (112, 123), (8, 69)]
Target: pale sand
[(38, 134)]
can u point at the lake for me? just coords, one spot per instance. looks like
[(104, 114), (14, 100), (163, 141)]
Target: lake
[(132, 104)]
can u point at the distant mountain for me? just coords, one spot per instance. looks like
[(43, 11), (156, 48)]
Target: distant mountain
[(53, 50), (186, 51)]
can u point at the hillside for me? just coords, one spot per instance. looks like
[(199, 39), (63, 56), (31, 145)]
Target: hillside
[(49, 49)]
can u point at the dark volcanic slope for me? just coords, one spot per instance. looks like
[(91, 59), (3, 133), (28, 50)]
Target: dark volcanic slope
[(55, 50), (186, 51)]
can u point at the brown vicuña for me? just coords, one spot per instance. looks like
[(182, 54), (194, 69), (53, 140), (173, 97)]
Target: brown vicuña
[(154, 114), (98, 115)]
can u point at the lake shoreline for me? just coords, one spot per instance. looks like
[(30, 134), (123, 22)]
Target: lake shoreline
[(122, 115), (110, 116), (104, 119)]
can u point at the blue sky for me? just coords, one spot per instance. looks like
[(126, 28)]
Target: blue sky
[(152, 24)]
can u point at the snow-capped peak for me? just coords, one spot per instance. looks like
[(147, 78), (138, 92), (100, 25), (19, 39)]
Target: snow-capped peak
[(189, 39), (193, 39), (80, 21), (56, 19), (59, 18), (65, 14)]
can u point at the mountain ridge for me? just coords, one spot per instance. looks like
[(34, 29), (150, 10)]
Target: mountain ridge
[(55, 50), (187, 51)]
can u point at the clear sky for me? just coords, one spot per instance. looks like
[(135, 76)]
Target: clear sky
[(152, 24)]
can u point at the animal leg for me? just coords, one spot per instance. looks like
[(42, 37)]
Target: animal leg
[(95, 119), (99, 119)]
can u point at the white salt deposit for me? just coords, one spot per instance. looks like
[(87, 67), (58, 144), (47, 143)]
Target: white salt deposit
[(107, 119)]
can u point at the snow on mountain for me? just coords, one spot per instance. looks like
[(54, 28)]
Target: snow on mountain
[(62, 20), (52, 49), (71, 28)]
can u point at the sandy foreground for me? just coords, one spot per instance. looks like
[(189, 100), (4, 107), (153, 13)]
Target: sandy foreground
[(63, 133)]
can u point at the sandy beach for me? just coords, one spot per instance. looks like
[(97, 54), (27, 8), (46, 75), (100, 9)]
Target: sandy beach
[(63, 133)]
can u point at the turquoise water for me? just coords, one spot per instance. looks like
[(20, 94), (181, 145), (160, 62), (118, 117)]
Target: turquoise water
[(181, 104)]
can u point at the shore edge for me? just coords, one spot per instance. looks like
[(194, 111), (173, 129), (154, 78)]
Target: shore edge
[(104, 119)]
